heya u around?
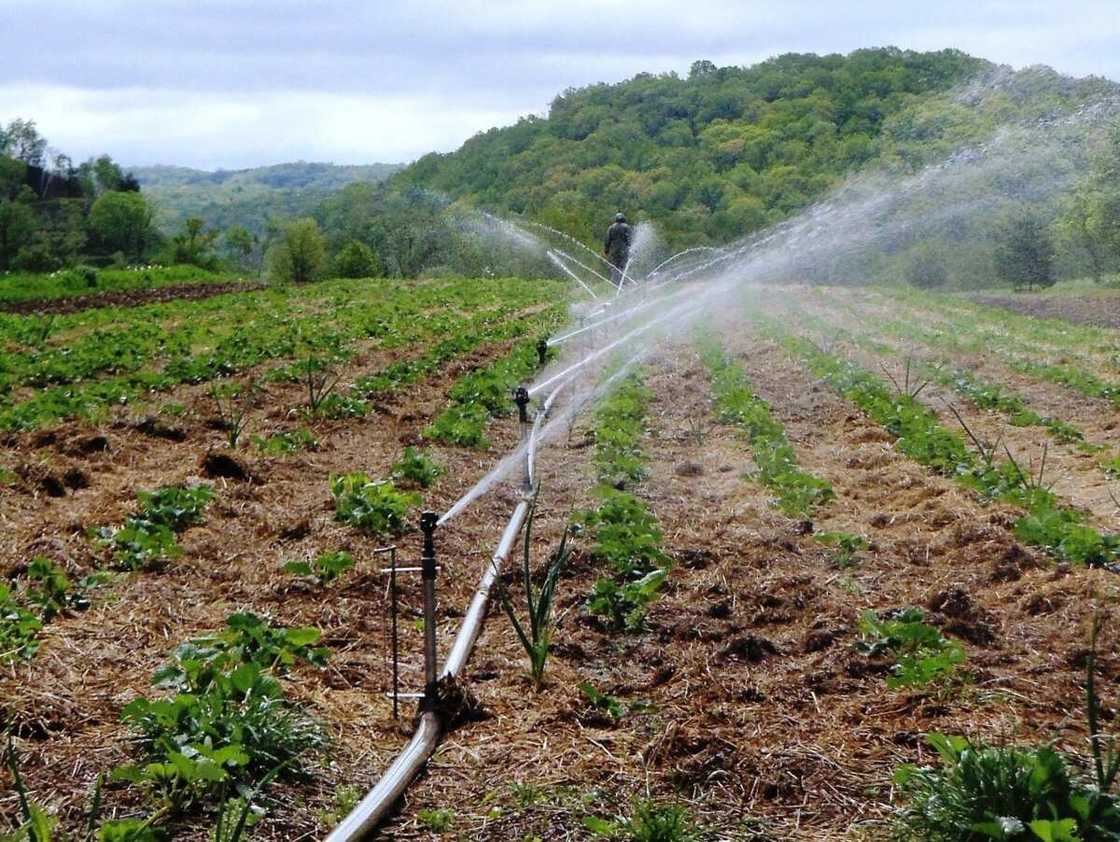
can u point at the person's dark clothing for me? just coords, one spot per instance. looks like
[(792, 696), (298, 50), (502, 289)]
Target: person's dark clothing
[(617, 248)]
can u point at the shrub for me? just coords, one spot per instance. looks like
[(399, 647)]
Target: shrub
[(356, 260), (301, 253), (376, 507)]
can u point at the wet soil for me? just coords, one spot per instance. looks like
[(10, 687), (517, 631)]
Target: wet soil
[(127, 298)]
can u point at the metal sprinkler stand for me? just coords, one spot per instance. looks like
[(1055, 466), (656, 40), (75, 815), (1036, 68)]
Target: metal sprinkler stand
[(428, 522), (542, 351), (521, 398)]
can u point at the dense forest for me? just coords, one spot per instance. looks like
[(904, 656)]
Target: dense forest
[(248, 198), (707, 159)]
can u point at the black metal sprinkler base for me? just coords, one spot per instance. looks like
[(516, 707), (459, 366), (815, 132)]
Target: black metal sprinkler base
[(521, 398), (542, 350)]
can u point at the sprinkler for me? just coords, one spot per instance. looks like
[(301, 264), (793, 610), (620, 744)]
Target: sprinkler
[(428, 522), (521, 398), (542, 351)]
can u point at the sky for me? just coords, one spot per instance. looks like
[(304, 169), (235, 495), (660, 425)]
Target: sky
[(240, 83)]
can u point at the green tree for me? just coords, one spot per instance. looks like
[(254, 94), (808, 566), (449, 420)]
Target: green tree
[(1024, 252), (22, 141), (925, 268), (17, 226), (356, 260), (194, 244), (240, 244), (122, 222), (1091, 216), (300, 254)]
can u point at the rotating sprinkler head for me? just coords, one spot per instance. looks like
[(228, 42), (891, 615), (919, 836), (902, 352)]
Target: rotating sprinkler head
[(521, 398), (428, 521), (542, 350)]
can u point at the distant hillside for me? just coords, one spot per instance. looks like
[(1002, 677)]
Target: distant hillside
[(249, 197), (709, 157)]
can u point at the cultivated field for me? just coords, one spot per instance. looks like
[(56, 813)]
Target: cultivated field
[(759, 503)]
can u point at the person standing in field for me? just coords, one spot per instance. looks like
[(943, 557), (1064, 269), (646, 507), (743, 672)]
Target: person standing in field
[(617, 247)]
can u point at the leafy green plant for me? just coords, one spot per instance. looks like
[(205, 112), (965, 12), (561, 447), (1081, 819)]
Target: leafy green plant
[(923, 655), (848, 546), (175, 506), (417, 468), (147, 540), (324, 568), (376, 507), (286, 443), (436, 820), (51, 590), (19, 628), (619, 425), (537, 638), (464, 426), (602, 701), (624, 606), (228, 721), (626, 534)]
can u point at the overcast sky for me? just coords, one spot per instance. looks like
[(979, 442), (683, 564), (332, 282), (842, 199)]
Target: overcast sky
[(237, 83)]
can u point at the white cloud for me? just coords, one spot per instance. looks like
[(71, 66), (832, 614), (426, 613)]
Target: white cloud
[(236, 82), (141, 126)]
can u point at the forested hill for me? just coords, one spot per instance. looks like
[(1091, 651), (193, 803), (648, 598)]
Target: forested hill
[(708, 157), (248, 197)]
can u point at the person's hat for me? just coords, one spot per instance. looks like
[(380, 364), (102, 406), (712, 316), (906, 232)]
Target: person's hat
[(620, 217)]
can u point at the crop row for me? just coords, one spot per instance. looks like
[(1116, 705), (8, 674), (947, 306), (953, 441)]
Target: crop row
[(268, 336), (981, 393), (799, 492), (1058, 529)]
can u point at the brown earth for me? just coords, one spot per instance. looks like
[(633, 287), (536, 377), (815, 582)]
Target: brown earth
[(745, 698), (127, 298), (1100, 310)]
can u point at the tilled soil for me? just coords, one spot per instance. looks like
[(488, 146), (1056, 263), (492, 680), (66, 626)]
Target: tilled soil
[(743, 699), (1100, 310), (127, 298)]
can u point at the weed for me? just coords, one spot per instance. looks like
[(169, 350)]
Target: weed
[(649, 822), (602, 701), (923, 655), (324, 568), (437, 821), (537, 638), (624, 606), (319, 380), (417, 468), (233, 401), (346, 798), (376, 507)]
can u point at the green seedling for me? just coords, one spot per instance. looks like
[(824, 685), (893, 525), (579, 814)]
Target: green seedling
[(324, 568), (923, 655), (375, 507), (417, 468), (624, 606)]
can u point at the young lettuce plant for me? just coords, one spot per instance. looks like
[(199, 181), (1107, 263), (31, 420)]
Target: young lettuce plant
[(537, 638)]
